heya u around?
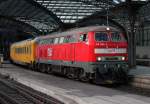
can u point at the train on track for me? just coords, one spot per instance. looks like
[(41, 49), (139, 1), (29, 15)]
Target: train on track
[(95, 53)]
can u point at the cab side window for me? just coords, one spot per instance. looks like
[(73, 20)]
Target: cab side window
[(83, 37)]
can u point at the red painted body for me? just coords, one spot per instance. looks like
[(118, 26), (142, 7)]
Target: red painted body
[(79, 51)]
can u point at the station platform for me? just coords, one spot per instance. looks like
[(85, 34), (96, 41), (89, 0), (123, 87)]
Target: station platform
[(70, 91), (140, 77), (140, 70)]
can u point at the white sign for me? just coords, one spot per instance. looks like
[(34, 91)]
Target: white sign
[(49, 52)]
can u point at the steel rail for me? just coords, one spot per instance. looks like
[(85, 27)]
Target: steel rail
[(26, 93), (2, 101)]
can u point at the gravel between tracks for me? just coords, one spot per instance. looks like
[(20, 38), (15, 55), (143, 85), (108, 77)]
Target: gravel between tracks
[(12, 92)]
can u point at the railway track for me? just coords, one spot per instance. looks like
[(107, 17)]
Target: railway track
[(15, 93)]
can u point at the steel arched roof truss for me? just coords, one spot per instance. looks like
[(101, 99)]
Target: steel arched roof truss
[(29, 10), (10, 23)]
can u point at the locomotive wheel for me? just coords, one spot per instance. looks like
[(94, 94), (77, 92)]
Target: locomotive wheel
[(97, 78), (41, 68), (70, 73), (34, 66), (83, 76), (38, 67), (31, 66), (49, 69), (84, 79), (70, 76)]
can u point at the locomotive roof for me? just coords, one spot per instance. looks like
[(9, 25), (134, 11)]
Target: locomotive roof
[(69, 32), (78, 31)]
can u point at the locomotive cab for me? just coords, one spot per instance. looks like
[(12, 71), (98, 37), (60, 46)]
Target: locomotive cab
[(110, 55), (110, 46)]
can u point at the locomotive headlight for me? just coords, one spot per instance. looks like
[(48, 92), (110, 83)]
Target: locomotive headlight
[(107, 28), (99, 58), (123, 58)]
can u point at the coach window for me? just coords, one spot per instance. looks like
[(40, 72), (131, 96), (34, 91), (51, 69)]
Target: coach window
[(27, 51), (17, 50), (83, 37), (56, 40), (23, 49), (20, 50), (30, 49)]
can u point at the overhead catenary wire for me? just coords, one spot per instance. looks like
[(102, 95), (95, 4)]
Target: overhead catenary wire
[(107, 15)]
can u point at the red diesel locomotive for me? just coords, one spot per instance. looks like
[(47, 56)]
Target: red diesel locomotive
[(97, 53)]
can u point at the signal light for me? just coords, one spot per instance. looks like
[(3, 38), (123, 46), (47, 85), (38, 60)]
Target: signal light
[(107, 28)]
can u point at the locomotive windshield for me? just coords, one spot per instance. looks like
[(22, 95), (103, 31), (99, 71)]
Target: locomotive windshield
[(117, 37), (101, 36)]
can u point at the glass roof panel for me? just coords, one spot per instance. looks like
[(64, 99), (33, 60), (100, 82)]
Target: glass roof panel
[(70, 11)]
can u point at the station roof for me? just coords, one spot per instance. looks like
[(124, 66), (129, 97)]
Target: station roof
[(69, 11), (51, 15)]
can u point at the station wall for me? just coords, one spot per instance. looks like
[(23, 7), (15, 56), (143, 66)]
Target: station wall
[(143, 46)]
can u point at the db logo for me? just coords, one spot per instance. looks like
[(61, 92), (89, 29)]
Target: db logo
[(49, 52)]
